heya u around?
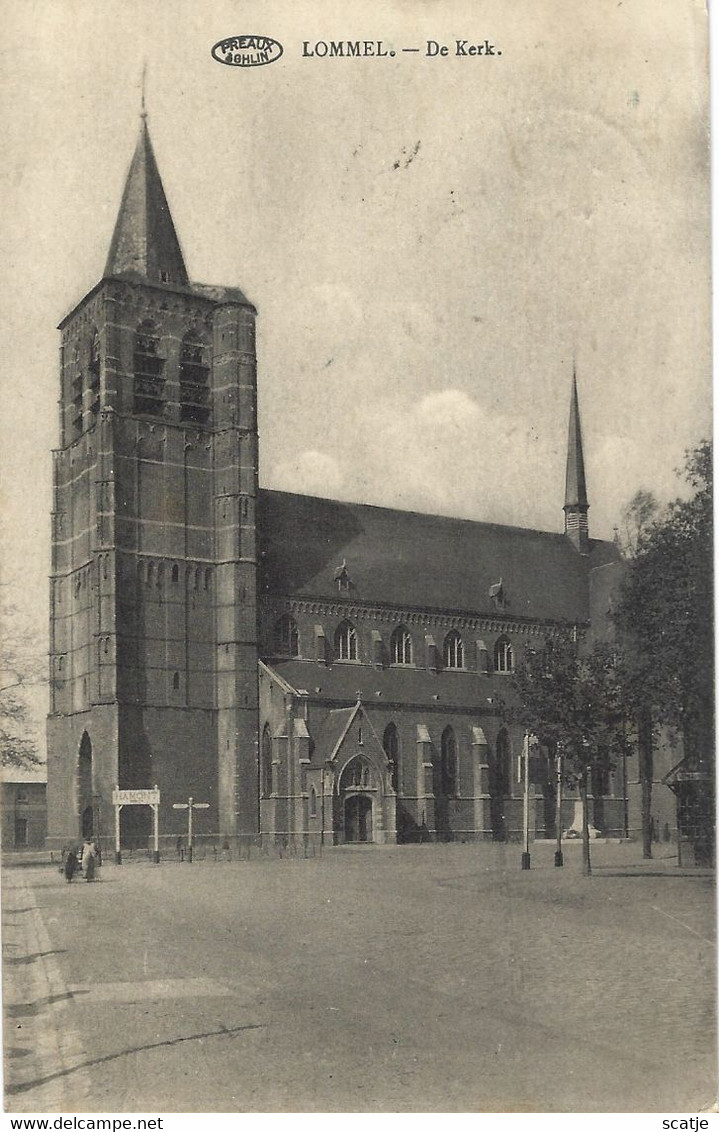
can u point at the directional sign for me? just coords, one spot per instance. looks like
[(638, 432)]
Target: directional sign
[(136, 797)]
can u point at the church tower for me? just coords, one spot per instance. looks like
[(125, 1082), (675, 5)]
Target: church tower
[(576, 504), (153, 598)]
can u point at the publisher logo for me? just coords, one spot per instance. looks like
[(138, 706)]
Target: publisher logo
[(247, 51)]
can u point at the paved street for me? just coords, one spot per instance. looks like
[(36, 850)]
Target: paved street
[(417, 978)]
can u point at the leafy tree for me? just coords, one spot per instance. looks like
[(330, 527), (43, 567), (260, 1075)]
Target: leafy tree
[(573, 704), (664, 617), (637, 516), (21, 667)]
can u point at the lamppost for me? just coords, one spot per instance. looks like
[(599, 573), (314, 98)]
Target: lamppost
[(559, 856), (96, 811)]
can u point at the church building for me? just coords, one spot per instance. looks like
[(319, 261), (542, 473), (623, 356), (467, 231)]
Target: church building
[(317, 672)]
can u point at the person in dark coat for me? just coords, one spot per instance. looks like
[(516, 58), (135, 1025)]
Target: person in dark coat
[(71, 864)]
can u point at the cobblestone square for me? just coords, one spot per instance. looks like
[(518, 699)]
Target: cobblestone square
[(420, 978)]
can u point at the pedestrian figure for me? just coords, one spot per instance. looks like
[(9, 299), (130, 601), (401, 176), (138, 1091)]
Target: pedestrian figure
[(70, 865), (89, 858), (180, 849)]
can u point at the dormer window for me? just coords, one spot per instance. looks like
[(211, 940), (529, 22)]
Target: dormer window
[(148, 364), (194, 380)]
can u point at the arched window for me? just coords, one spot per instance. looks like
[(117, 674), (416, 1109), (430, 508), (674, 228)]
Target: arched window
[(503, 765), (208, 579), (313, 802), (346, 641), (148, 365), (286, 637), (356, 774), (77, 383), (390, 743), (401, 646), (266, 768), (175, 573), (176, 682), (448, 783), (194, 380), (93, 373), (503, 656), (453, 650)]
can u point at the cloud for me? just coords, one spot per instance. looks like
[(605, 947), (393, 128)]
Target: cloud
[(311, 472)]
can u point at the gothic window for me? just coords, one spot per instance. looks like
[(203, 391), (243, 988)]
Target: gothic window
[(503, 656), (357, 774), (77, 384), (390, 742), (208, 579), (346, 641), (176, 682), (286, 637), (401, 646), (194, 380), (453, 650), (93, 371), (502, 766), (175, 574), (448, 766), (313, 802), (266, 767), (148, 366)]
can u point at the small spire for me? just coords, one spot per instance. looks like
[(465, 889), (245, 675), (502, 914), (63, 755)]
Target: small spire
[(143, 109), (576, 503)]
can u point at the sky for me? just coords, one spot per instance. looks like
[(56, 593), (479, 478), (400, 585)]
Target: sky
[(431, 243)]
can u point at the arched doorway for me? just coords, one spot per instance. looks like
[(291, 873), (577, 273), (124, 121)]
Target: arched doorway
[(84, 786), (358, 818), (358, 789)]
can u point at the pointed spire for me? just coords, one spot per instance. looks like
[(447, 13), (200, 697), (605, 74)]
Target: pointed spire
[(576, 504), (144, 241)]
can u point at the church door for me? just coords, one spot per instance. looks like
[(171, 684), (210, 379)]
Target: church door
[(358, 818)]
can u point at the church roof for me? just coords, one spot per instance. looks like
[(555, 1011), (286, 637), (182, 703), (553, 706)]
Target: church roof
[(402, 558), (145, 242), (576, 485), (411, 687)]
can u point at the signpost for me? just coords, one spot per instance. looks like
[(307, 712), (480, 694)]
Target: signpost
[(150, 798), (190, 805)]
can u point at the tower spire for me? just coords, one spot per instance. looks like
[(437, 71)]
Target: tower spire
[(145, 242), (576, 504)]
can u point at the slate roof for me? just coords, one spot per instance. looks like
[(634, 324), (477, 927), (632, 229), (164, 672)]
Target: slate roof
[(145, 240), (346, 683), (421, 561), (575, 494)]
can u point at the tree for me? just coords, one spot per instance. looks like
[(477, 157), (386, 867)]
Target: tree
[(637, 516), (572, 703), (21, 667), (664, 617)]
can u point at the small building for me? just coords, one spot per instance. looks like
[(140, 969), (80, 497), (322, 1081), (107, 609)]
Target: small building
[(24, 814)]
